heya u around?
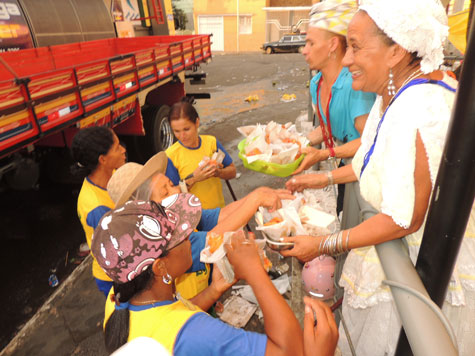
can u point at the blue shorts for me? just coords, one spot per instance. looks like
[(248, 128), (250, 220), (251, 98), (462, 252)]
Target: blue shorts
[(104, 286)]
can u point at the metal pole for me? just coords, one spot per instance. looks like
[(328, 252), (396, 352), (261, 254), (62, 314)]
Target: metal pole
[(453, 194)]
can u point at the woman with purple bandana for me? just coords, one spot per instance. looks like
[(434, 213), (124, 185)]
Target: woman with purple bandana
[(144, 246)]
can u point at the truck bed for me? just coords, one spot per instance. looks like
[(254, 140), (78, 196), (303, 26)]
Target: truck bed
[(43, 90)]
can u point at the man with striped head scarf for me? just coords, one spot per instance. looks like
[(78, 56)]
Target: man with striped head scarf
[(340, 110)]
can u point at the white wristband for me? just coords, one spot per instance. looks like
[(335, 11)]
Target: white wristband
[(330, 178)]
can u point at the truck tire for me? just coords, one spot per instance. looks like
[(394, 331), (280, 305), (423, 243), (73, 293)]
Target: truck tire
[(269, 50), (158, 135), (158, 129)]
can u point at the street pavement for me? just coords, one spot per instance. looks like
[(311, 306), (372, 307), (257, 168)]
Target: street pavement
[(70, 322)]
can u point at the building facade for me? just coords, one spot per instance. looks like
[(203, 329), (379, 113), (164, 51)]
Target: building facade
[(244, 25)]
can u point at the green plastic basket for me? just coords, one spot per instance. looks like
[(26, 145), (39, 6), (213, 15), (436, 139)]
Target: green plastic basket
[(274, 169)]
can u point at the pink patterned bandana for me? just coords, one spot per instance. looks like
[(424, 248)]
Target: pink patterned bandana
[(129, 239)]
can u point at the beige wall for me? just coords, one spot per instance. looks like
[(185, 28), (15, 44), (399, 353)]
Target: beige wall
[(228, 9)]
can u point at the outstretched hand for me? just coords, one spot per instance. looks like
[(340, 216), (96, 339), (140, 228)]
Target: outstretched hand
[(305, 181), (312, 156), (305, 247), (272, 198), (320, 332)]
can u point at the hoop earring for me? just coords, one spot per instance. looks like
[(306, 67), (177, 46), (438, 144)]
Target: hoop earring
[(167, 279), (391, 86)]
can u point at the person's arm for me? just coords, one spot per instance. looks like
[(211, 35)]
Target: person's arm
[(315, 137), (379, 228), (206, 298), (284, 335), (347, 150), (340, 175), (228, 172), (238, 213)]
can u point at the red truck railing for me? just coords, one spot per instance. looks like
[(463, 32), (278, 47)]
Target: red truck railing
[(44, 90)]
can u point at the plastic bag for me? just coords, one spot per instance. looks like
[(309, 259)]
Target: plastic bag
[(259, 165), (218, 255)]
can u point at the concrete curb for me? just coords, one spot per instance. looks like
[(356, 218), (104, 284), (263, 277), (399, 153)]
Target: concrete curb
[(29, 327)]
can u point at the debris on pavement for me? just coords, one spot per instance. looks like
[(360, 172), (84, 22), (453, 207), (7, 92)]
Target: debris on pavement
[(287, 98), (251, 98), (237, 311)]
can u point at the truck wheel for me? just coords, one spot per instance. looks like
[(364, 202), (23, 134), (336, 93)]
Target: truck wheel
[(158, 135), (158, 129), (269, 50)]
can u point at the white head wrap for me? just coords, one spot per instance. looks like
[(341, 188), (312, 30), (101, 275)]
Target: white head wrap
[(416, 25), (333, 15)]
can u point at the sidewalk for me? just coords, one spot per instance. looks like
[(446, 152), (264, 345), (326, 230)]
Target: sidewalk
[(69, 323)]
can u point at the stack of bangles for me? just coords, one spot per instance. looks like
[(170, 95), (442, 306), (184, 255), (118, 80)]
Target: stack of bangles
[(333, 244)]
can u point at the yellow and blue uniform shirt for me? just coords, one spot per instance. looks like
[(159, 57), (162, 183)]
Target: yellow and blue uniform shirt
[(93, 203), (197, 277), (186, 159), (183, 329)]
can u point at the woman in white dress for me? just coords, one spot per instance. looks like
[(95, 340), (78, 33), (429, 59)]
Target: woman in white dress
[(395, 49)]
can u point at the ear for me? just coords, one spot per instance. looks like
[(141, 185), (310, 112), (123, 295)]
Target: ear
[(395, 55), (334, 42), (101, 160), (197, 123), (159, 268)]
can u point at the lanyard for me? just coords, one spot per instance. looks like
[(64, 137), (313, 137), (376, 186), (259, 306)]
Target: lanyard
[(327, 137), (368, 154)]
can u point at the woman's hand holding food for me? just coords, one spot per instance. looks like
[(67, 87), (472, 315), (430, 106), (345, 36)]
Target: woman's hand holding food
[(319, 329), (312, 156), (205, 172), (305, 181), (305, 247), (243, 255), (219, 284)]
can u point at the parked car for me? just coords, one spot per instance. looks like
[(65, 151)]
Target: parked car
[(288, 43)]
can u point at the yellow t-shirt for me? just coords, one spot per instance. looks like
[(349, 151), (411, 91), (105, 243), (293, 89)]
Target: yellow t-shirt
[(190, 284), (93, 203), (161, 321), (209, 191)]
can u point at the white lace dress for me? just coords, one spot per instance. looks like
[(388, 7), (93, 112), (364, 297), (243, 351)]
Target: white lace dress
[(388, 185)]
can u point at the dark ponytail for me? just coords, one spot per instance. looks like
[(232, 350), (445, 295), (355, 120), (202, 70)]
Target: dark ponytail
[(116, 332), (183, 109), (87, 145)]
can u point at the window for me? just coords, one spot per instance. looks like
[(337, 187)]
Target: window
[(245, 25), (287, 39)]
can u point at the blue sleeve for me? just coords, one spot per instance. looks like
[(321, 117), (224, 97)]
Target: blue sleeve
[(198, 242), (227, 158), (360, 103), (172, 172), (95, 215), (209, 219), (203, 335)]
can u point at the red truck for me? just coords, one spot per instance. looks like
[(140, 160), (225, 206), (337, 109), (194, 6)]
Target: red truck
[(48, 93)]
